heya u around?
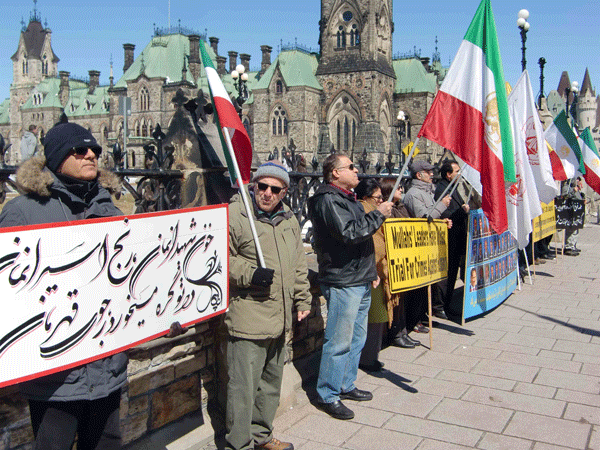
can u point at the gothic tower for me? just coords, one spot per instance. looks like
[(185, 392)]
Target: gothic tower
[(355, 71), (586, 104)]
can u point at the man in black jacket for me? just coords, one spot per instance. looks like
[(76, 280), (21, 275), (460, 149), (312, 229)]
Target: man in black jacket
[(63, 184), (458, 212), (346, 256)]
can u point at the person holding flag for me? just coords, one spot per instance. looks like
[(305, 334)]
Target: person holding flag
[(265, 289)]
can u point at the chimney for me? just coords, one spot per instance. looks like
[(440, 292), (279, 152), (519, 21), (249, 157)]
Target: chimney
[(214, 44), (128, 49), (221, 62), (94, 80), (232, 60), (245, 61), (63, 90), (266, 58), (194, 55)]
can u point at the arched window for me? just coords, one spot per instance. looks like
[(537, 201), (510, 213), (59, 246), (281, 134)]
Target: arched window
[(25, 66), (346, 134), (105, 132), (339, 135), (354, 36), (279, 87), (279, 121), (144, 99), (138, 129), (144, 129), (341, 37)]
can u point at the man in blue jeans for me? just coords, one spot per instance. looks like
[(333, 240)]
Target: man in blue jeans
[(345, 253)]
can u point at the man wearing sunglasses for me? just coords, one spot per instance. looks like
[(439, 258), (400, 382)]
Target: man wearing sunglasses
[(263, 304), (63, 183), (346, 255)]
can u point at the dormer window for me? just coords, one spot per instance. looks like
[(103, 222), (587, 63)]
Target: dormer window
[(278, 87)]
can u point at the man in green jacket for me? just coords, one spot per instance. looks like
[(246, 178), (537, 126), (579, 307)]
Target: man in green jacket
[(261, 308)]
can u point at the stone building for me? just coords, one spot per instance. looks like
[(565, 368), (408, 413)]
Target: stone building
[(344, 97)]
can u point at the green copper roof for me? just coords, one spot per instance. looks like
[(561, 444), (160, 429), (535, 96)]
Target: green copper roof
[(5, 112), (49, 89), (411, 76), (297, 69), (81, 103), (163, 57)]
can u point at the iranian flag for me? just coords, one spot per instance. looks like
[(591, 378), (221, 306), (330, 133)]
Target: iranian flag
[(589, 154), (234, 137), (469, 116), (562, 140)]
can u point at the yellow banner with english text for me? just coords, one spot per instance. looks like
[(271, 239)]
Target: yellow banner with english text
[(544, 225), (417, 252)]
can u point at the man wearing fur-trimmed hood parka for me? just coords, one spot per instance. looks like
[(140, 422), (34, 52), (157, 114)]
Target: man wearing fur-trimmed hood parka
[(63, 184)]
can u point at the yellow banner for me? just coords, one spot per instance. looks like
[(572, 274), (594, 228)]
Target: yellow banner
[(417, 252), (545, 225)]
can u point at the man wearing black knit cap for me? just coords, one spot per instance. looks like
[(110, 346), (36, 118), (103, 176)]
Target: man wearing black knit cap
[(263, 303), (63, 184)]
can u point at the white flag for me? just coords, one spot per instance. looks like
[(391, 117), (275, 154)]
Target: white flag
[(522, 200)]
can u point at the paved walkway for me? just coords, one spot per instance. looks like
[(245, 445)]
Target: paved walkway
[(525, 376)]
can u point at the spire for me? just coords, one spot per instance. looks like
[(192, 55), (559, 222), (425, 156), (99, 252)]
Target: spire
[(564, 83), (587, 84)]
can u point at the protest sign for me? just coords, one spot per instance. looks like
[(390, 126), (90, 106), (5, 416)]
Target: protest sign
[(544, 225), (75, 292), (417, 252), (491, 267), (570, 212)]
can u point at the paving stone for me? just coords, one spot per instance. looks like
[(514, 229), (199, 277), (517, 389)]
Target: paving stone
[(583, 413), (477, 352), (366, 415), (594, 443), (429, 444), (324, 429), (544, 446), (566, 380), (562, 332), (440, 387), (582, 398), (515, 348), (402, 402), (477, 380), (492, 441), (557, 355), (514, 401), (441, 360), (434, 430), (535, 390), (539, 361), (369, 437), (506, 370), (528, 341), (471, 415), (548, 430), (581, 348), (591, 369), (408, 370)]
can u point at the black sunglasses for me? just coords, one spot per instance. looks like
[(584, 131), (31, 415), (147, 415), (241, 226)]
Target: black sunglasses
[(82, 151), (264, 186), (350, 167)]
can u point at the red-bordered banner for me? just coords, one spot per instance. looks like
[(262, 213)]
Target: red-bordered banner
[(75, 292)]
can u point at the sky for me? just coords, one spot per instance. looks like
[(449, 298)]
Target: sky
[(86, 35)]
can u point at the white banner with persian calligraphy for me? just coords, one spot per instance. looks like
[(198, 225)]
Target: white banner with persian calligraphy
[(76, 292)]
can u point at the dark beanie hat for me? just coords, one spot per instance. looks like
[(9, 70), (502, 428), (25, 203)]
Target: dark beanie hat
[(63, 137)]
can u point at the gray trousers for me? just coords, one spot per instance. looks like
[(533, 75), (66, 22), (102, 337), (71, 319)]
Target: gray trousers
[(571, 235), (255, 369)]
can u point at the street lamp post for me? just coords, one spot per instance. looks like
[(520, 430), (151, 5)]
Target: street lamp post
[(240, 82), (573, 111), (401, 133), (542, 63), (524, 26)]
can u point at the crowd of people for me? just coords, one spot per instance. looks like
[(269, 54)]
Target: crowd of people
[(63, 183)]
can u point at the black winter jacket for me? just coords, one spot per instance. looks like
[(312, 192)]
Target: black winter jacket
[(48, 200), (343, 237)]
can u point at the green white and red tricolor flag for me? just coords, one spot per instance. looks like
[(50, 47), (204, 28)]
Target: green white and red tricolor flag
[(228, 122), (469, 116), (589, 154), (561, 138)]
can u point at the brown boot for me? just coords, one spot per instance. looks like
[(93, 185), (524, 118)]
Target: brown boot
[(275, 444)]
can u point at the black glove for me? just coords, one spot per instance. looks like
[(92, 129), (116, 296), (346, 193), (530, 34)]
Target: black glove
[(263, 277)]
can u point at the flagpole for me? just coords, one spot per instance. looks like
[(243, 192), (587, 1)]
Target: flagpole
[(399, 179), (245, 200)]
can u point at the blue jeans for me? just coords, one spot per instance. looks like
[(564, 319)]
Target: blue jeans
[(345, 334)]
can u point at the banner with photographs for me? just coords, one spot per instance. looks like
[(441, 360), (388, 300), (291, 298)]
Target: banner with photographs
[(491, 266), (544, 225), (76, 292), (417, 252)]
